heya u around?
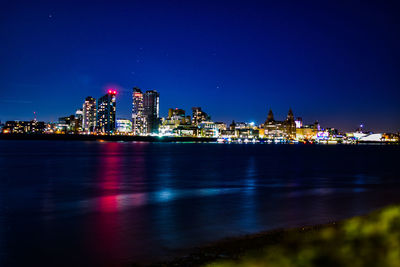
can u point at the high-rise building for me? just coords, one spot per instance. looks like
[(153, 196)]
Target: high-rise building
[(151, 107), (106, 107), (89, 114), (138, 119), (78, 120), (199, 116)]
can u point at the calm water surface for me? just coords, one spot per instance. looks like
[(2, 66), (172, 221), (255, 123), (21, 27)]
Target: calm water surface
[(64, 203)]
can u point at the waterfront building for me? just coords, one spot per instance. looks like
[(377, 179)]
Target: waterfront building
[(89, 115), (199, 116), (21, 127), (231, 132), (299, 122), (124, 126), (308, 132), (221, 126), (176, 113), (207, 129), (69, 124), (390, 137), (187, 131), (176, 117), (78, 121), (106, 109), (50, 128), (138, 118), (290, 125), (282, 130), (151, 107), (273, 129), (242, 130), (65, 124)]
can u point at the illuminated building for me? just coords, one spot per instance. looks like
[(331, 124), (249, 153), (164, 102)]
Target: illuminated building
[(138, 119), (199, 116), (241, 130), (273, 129), (299, 122), (106, 107), (78, 120), (207, 129), (221, 126), (308, 132), (64, 124), (283, 130), (69, 124), (290, 125), (176, 117), (124, 126), (89, 114), (151, 106), (32, 126), (176, 113), (187, 131)]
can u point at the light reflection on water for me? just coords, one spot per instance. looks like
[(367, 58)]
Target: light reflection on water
[(115, 203), (120, 202)]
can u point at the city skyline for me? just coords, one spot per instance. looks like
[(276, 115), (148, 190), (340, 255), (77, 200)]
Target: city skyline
[(336, 63), (199, 133), (113, 93)]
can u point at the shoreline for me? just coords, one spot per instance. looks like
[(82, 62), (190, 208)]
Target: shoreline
[(289, 245), (101, 138), (233, 248), (136, 138)]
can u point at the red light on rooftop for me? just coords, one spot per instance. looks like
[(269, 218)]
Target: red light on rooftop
[(115, 92), (110, 91)]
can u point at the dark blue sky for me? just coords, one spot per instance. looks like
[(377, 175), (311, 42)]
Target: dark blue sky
[(335, 61)]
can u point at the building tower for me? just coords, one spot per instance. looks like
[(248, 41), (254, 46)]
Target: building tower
[(270, 118), (138, 120), (89, 114), (106, 107), (151, 107), (290, 125)]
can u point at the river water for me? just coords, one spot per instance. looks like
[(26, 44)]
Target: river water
[(114, 203)]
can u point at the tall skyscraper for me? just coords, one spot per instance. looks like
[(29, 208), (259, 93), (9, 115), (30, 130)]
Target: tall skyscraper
[(151, 105), (138, 119), (106, 107), (89, 114)]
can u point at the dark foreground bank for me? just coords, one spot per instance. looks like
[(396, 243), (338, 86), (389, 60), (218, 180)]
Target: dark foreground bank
[(85, 137), (371, 240)]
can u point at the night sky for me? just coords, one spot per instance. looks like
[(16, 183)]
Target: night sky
[(333, 61)]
